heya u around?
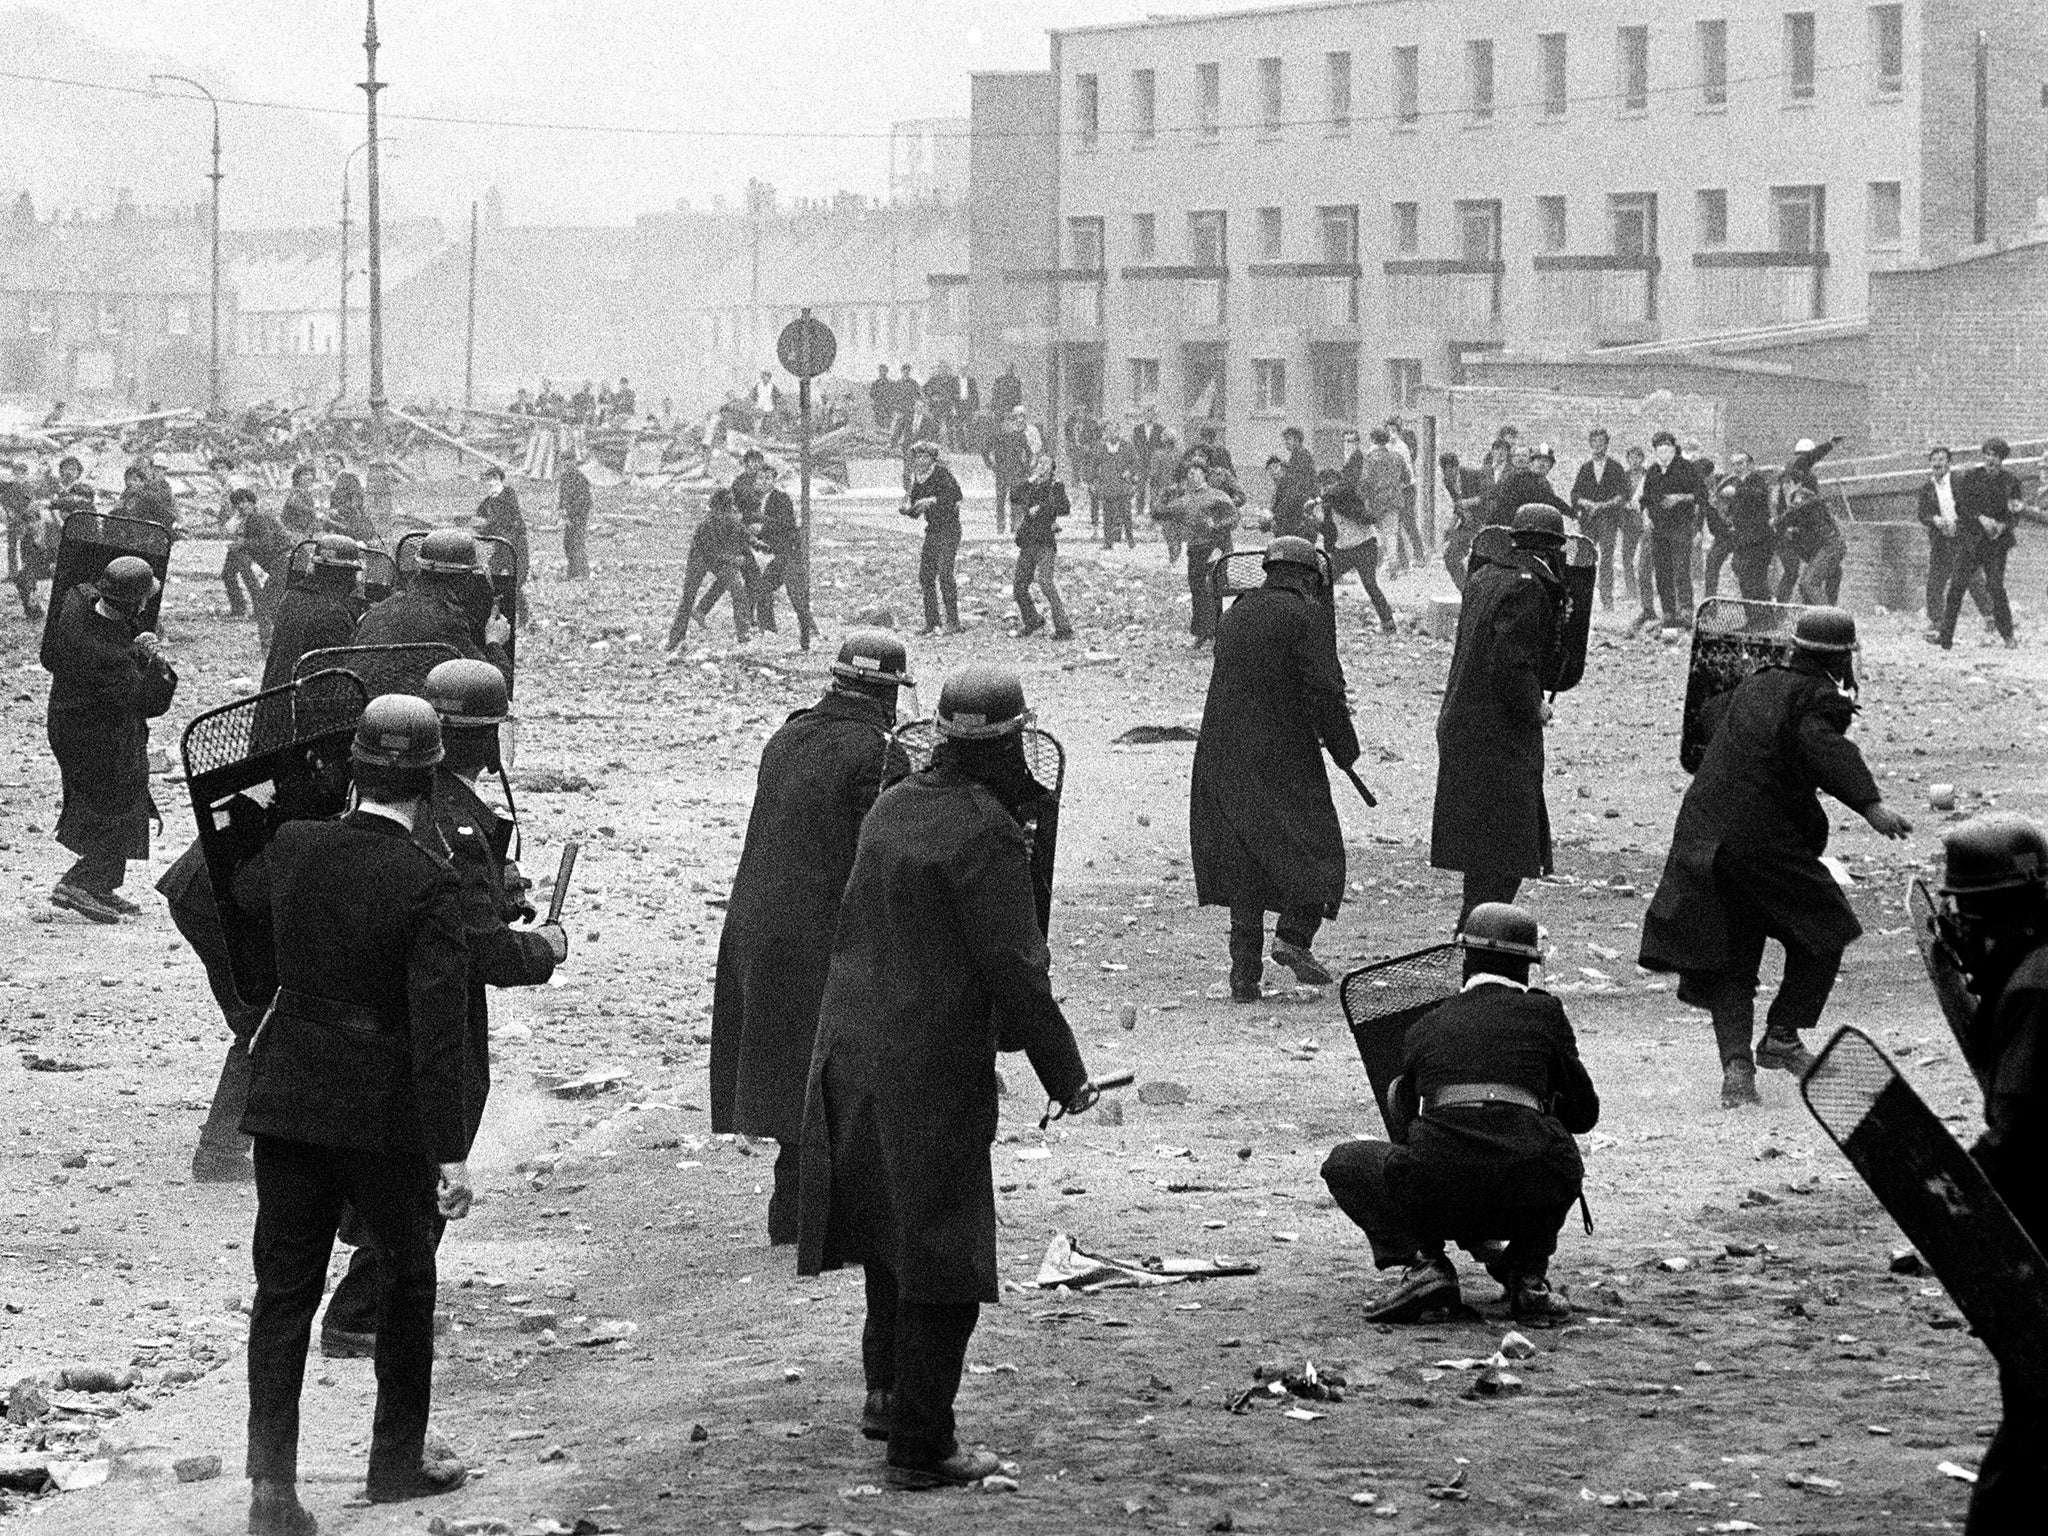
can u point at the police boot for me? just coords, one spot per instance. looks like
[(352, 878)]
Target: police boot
[(1247, 965), (1430, 1284), (959, 1470), (275, 1510), (1298, 958), (1532, 1301), (1781, 1050), (1733, 1023), (878, 1416)]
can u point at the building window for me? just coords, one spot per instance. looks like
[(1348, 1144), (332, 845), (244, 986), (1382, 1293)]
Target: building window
[(1144, 106), (1269, 234), (1404, 383), (1337, 83), (1339, 230), (1208, 244), (1144, 382), (1407, 228), (1408, 84), (1336, 385), (178, 317), (1632, 68), (1088, 108), (1550, 58), (1084, 244), (1799, 55), (1479, 78), (1144, 236), (1632, 218), (1888, 49), (1272, 99), (1713, 41), (1209, 99), (1269, 385), (1710, 213), (1550, 225), (1479, 231), (42, 317), (1886, 233), (1799, 219), (110, 315)]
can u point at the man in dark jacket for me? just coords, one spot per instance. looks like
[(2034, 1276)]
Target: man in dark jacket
[(1482, 1117), (819, 775), (1937, 514), (573, 498), (1205, 515), (1671, 499), (1745, 860), (721, 554), (108, 680), (145, 498), (1262, 830), (1468, 493), (1527, 483), (1600, 502), (1806, 530), (470, 700), (347, 509), (1490, 819), (319, 613), (264, 553), (782, 536), (1037, 506), (1009, 459), (1995, 892), (358, 1099), (499, 516), (301, 514), (939, 963), (1988, 505), (1006, 392), (934, 495), (433, 606), (1742, 524), (1119, 475)]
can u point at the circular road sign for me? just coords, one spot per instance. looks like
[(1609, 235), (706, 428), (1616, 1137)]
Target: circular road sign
[(807, 346)]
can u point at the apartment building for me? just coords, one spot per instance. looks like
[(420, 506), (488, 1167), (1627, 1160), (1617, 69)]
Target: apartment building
[(1308, 213)]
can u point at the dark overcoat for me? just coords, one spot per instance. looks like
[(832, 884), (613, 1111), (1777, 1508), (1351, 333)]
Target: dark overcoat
[(1751, 828), (309, 618), (938, 964), (1262, 830), (819, 775), (103, 694), (426, 612), (1490, 814)]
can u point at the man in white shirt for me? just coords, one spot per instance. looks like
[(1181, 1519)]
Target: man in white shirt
[(1938, 515)]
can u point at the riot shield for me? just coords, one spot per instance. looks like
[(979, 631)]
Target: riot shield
[(909, 750), (1938, 1195), (90, 540), (1944, 968), (1731, 638), (1493, 544), (381, 669), (497, 587), (253, 765), (377, 580), (1381, 1000), (1575, 624), (1239, 572)]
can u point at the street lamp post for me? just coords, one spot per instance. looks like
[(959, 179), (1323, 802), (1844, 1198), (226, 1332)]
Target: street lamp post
[(213, 359), (341, 393), (380, 471)]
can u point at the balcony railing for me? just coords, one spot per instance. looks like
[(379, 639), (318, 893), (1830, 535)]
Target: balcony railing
[(1612, 297), (1081, 306), (1455, 296), (1739, 289), (1294, 296), (1171, 300)]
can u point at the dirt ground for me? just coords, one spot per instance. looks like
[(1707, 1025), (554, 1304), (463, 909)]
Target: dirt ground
[(622, 1349)]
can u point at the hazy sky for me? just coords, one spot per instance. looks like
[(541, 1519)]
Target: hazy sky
[(812, 65)]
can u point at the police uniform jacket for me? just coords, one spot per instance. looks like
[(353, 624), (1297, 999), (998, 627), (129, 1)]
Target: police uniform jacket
[(1261, 826), (819, 775), (103, 694), (1490, 815), (938, 964), (1751, 828), (428, 611), (1487, 1170), (1519, 488), (364, 1047), (2010, 1054), (309, 617)]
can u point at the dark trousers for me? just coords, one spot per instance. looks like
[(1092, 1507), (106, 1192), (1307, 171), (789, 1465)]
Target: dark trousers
[(576, 546), (1730, 995), (2013, 1477), (1671, 552), (300, 1190), (1116, 522), (1604, 528), (1788, 575), (726, 577), (1820, 578), (915, 1351), (1971, 557), (1409, 548), (1037, 562), (1941, 563), (238, 576), (1356, 1172), (1718, 551), (1365, 560), (1297, 926), (1752, 567), (1480, 888), (935, 573), (783, 1199), (785, 569), (98, 872), (353, 1306), (1003, 489), (1201, 591)]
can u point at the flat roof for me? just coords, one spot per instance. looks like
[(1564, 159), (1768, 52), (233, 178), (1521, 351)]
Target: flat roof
[(1200, 18)]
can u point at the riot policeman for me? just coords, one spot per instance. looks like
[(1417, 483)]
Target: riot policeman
[(358, 1098), (1995, 896), (1482, 1117), (471, 701), (819, 775), (108, 680), (318, 613), (1745, 860), (938, 964), (432, 606)]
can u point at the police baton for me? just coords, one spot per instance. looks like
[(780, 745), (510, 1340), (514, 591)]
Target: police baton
[(562, 873), (1359, 785), (1055, 1110)]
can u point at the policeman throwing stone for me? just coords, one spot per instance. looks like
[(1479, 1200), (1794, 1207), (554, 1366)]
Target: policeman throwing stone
[(819, 775), (1745, 860), (938, 965), (1262, 830), (1482, 1117)]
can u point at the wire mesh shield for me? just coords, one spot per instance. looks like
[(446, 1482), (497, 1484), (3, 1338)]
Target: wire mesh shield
[(381, 669), (377, 580), (1731, 638), (1381, 1000), (1575, 623), (1937, 1194), (1239, 572), (1944, 970), (90, 540), (495, 588)]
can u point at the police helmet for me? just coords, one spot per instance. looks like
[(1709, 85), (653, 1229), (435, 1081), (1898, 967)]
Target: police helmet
[(1290, 549), (1538, 520), (1827, 630), (337, 551), (467, 692), (397, 730), (2005, 852), (979, 703), (448, 551), (128, 582), (1500, 928), (1544, 452), (873, 656)]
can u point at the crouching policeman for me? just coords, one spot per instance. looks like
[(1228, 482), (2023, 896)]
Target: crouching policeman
[(1482, 1117), (358, 1098)]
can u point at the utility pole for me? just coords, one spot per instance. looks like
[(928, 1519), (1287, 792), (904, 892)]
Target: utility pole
[(379, 469), (469, 345), (341, 390), (213, 358)]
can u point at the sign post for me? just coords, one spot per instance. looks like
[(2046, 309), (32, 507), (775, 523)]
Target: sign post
[(806, 348)]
